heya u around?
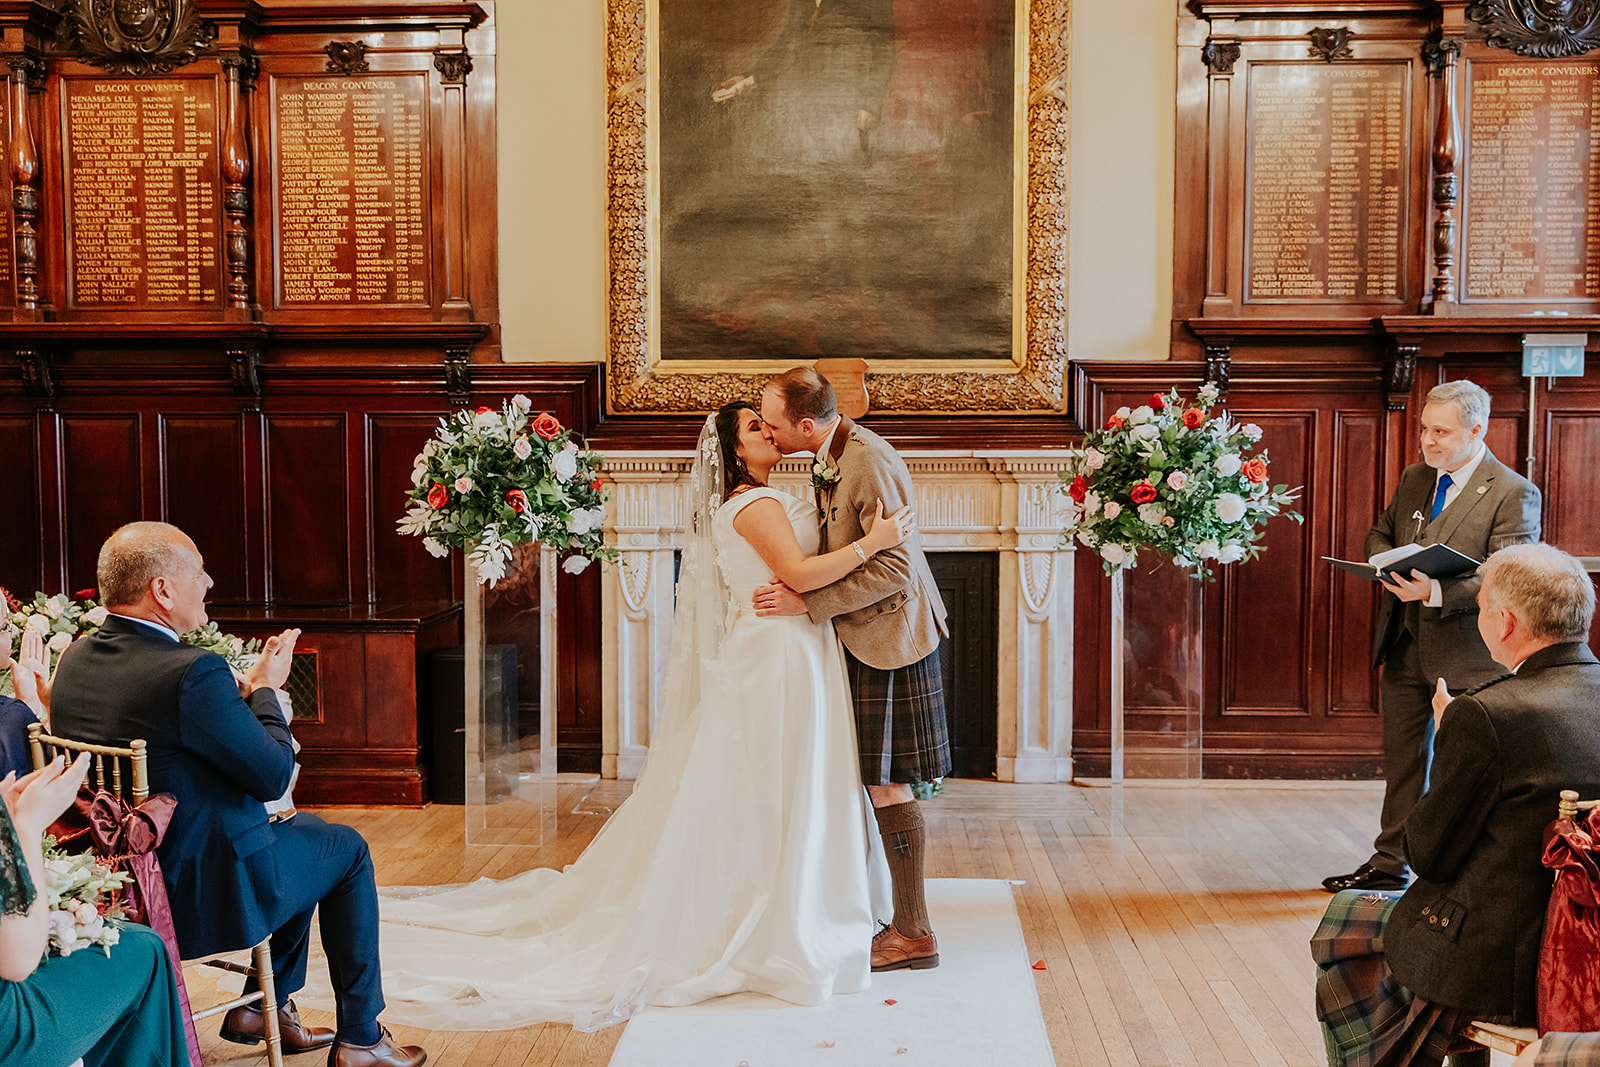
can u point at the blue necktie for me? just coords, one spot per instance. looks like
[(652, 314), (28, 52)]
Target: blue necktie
[(1439, 490)]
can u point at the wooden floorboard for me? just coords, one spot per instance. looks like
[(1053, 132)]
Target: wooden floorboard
[(1172, 922)]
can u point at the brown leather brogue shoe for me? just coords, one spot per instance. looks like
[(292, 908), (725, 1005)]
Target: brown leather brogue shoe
[(247, 1026), (893, 952), (384, 1054)]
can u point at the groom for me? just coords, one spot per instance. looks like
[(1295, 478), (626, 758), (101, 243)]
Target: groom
[(889, 617)]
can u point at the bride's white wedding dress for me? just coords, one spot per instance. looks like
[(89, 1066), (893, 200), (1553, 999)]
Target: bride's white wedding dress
[(740, 862)]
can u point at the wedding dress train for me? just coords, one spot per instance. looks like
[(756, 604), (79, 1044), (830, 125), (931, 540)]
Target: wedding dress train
[(740, 862)]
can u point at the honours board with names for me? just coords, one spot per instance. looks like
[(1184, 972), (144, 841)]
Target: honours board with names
[(1326, 193), (1532, 228), (143, 211), (351, 215)]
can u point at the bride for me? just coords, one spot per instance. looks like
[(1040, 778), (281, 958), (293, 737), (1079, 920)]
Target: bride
[(741, 860)]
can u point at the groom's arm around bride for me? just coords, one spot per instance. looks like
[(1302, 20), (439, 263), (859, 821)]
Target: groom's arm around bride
[(889, 617)]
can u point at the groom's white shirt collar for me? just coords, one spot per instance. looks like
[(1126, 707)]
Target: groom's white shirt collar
[(827, 442)]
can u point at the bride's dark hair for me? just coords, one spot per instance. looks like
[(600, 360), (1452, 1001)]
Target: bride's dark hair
[(734, 472)]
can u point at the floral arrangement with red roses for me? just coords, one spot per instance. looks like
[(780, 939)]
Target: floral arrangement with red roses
[(491, 479), (1175, 477)]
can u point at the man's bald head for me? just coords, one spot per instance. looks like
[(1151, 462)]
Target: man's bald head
[(136, 555)]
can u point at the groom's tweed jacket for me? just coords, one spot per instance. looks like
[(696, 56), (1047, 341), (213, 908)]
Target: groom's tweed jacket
[(887, 612)]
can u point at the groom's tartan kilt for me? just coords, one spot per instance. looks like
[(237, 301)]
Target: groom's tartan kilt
[(900, 725)]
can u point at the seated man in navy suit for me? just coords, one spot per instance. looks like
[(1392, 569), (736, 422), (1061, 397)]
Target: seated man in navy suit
[(221, 747)]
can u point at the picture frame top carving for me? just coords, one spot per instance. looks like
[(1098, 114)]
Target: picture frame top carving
[(135, 38), (1539, 29)]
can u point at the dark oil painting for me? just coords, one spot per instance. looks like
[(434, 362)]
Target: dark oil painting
[(836, 179)]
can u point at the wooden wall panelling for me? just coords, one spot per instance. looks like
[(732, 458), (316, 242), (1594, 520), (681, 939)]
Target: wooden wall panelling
[(1354, 483), (102, 480), (308, 502), (402, 570), (202, 487), (22, 529)]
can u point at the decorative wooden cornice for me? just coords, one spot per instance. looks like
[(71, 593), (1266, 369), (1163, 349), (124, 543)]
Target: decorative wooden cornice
[(1539, 28)]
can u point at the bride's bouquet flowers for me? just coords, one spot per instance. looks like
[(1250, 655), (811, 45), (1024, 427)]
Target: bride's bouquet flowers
[(492, 479), (62, 619), (84, 897), (1175, 477)]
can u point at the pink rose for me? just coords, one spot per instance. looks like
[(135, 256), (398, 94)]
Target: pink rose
[(522, 448), (1094, 459), (1177, 479)]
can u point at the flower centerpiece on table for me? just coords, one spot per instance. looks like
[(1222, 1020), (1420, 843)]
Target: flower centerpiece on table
[(84, 897), (1176, 478), (492, 479), (62, 619)]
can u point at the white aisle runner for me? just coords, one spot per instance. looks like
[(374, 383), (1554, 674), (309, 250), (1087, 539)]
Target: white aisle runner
[(978, 1006)]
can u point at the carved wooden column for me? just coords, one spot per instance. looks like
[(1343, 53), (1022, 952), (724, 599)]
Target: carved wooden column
[(1219, 55), (240, 72), (23, 159), (454, 64), (1441, 56)]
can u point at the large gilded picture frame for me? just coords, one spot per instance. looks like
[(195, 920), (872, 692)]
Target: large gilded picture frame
[(1017, 366)]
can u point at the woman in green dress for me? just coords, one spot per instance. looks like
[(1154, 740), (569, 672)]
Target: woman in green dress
[(111, 1010)]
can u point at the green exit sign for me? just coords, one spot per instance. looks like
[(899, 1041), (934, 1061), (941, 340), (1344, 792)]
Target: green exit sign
[(1553, 355)]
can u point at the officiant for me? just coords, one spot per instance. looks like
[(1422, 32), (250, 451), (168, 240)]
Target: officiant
[(1460, 495)]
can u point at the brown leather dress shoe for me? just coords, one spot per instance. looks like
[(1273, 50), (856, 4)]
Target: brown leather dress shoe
[(247, 1026), (384, 1054), (893, 952)]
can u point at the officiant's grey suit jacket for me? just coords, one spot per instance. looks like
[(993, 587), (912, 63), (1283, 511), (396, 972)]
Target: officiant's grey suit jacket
[(887, 611), (1467, 932), (1497, 507)]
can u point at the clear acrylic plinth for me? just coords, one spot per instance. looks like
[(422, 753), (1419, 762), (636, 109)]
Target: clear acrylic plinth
[(510, 668), (1157, 671)]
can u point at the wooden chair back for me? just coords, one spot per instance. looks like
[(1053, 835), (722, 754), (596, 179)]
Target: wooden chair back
[(123, 772)]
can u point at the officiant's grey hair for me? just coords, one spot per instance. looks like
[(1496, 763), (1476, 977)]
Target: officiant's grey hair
[(1472, 403)]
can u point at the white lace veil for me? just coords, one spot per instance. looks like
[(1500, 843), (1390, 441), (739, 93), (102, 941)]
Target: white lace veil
[(700, 619)]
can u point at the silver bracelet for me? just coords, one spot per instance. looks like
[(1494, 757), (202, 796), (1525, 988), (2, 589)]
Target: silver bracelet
[(857, 546)]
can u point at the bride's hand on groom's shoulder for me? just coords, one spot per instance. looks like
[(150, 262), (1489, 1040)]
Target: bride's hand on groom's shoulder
[(889, 531), (777, 599)]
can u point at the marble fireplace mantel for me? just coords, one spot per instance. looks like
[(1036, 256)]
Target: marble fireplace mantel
[(969, 501)]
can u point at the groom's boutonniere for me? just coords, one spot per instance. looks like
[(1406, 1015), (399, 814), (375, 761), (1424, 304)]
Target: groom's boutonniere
[(824, 473)]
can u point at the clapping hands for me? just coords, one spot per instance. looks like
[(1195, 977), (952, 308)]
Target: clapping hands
[(30, 674), (271, 668)]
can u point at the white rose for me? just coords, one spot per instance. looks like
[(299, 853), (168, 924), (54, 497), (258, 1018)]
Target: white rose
[(434, 547), (522, 403), (1094, 459), (1252, 431), (1207, 550), (95, 616), (575, 564), (1230, 507), (1151, 514), (564, 464), (39, 624), (1123, 413), (419, 473), (1087, 538), (1113, 554), (52, 608), (59, 642), (1178, 479), (463, 484), (585, 520), (522, 448), (1208, 392), (1141, 414), (1228, 464), (486, 418), (1113, 509), (1230, 554), (1148, 431)]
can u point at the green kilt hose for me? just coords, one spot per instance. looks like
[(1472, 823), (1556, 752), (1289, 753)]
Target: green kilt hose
[(900, 724)]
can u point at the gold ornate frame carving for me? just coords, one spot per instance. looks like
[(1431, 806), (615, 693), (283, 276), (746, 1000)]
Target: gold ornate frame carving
[(639, 382)]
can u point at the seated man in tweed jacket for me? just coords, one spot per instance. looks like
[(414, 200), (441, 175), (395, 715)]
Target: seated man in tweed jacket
[(1463, 942)]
